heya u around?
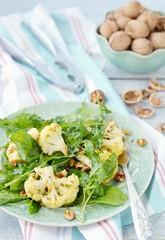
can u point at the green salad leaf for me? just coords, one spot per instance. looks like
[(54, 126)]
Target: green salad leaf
[(33, 207), (7, 196), (112, 196), (28, 149), (23, 121)]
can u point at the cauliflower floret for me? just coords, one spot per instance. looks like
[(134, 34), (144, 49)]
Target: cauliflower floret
[(12, 153), (34, 133), (51, 140), (104, 155), (84, 159), (53, 192), (113, 138)]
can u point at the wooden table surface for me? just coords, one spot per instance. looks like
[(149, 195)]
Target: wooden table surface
[(94, 10)]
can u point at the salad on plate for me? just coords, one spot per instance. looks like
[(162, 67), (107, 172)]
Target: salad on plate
[(65, 161)]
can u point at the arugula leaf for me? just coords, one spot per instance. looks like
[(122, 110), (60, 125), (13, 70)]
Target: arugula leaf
[(107, 168), (5, 177), (90, 152), (101, 170), (28, 149), (7, 196), (104, 111), (23, 121), (112, 196), (33, 207)]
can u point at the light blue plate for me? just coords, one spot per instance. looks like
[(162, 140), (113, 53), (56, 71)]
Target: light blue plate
[(141, 169)]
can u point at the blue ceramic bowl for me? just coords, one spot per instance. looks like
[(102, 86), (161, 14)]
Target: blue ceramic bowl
[(130, 61)]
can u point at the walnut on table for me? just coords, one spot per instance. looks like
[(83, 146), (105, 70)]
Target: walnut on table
[(154, 84), (161, 127), (97, 96), (144, 112), (132, 96), (155, 101)]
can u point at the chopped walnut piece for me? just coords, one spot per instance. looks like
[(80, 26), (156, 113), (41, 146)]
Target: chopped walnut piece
[(61, 174), (155, 101), (127, 132), (120, 176), (72, 163), (144, 112), (154, 84), (81, 166), (13, 163), (132, 96), (69, 215), (161, 127), (23, 193), (141, 142)]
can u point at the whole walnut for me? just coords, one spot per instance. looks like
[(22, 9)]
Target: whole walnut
[(113, 25), (142, 46), (110, 16), (160, 23), (137, 29), (132, 9), (149, 17), (157, 39), (118, 13), (122, 22), (119, 41), (105, 30)]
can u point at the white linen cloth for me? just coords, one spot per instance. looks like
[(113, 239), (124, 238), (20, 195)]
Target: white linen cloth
[(21, 87)]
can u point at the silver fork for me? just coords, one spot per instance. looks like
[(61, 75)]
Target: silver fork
[(142, 223)]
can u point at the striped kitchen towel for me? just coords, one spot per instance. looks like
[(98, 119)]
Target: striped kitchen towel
[(21, 87)]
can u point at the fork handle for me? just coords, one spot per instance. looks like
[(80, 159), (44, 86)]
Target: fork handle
[(142, 223)]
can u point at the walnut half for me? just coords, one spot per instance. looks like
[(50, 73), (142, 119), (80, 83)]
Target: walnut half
[(155, 101), (144, 112), (161, 127), (97, 96), (132, 96), (154, 84)]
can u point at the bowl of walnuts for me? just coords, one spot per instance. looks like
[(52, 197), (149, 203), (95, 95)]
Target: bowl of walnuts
[(133, 38)]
